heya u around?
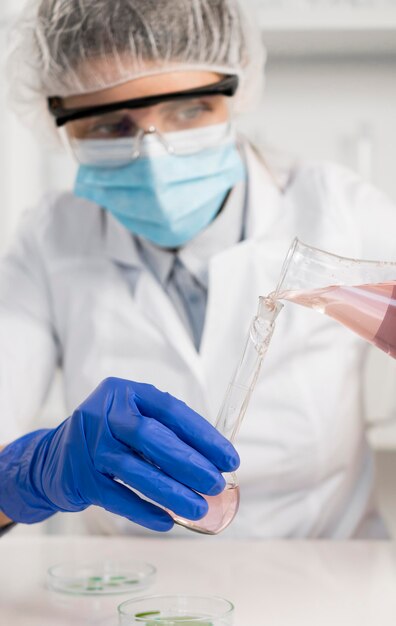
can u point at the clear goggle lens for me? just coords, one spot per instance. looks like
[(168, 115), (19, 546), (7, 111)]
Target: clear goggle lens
[(119, 151)]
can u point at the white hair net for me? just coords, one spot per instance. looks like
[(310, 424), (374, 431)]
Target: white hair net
[(70, 47)]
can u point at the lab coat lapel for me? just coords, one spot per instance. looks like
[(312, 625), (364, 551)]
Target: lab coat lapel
[(149, 298), (155, 304), (119, 243), (237, 277)]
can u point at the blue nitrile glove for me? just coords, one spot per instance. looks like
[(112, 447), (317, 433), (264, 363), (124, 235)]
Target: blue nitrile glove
[(128, 431)]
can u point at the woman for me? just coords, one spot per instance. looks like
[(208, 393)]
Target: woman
[(150, 270)]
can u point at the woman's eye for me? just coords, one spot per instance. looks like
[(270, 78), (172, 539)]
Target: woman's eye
[(193, 112), (111, 129), (104, 129)]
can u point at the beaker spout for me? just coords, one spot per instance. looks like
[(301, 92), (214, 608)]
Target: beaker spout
[(358, 293), (269, 309), (307, 268), (264, 322)]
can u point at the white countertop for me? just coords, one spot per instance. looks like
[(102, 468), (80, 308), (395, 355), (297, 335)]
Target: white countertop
[(270, 583)]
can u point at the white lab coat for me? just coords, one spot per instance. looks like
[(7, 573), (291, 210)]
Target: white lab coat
[(65, 297)]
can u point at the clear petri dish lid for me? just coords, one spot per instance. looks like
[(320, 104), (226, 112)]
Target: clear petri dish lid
[(101, 577)]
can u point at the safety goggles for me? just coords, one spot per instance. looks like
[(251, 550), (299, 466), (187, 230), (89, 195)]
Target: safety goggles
[(118, 133), (148, 144), (225, 87)]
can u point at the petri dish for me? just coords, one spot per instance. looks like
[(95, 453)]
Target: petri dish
[(177, 610), (101, 578)]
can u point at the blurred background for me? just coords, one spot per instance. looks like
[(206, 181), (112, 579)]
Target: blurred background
[(330, 94)]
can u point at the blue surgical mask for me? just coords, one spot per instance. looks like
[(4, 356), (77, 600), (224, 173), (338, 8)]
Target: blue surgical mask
[(164, 198)]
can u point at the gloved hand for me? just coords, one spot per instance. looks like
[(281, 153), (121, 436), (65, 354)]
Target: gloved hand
[(128, 431)]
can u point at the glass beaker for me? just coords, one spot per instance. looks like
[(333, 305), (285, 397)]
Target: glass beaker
[(359, 294), (176, 611), (224, 507)]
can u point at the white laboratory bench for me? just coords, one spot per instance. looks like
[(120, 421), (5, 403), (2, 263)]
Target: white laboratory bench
[(270, 583)]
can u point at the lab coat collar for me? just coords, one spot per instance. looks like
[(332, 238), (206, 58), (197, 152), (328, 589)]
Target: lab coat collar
[(222, 234), (263, 196), (149, 297), (119, 244)]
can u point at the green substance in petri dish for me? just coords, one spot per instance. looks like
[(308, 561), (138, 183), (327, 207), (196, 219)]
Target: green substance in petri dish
[(116, 581), (171, 621), (100, 583), (94, 583)]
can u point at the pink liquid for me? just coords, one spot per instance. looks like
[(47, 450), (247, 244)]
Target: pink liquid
[(222, 510), (368, 310)]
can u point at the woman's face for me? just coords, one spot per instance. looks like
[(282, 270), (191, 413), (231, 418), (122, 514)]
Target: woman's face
[(170, 116)]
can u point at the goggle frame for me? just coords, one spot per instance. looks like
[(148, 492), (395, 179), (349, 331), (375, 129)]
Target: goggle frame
[(226, 87)]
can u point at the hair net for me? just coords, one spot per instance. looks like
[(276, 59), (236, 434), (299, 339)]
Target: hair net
[(70, 47)]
